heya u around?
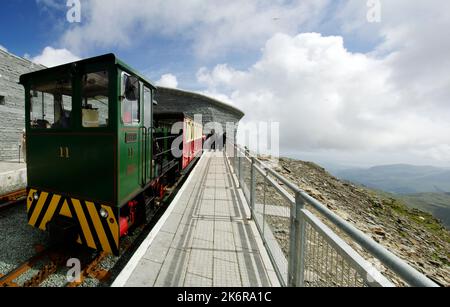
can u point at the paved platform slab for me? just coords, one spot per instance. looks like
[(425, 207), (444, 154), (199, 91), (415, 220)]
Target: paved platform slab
[(6, 167), (206, 239)]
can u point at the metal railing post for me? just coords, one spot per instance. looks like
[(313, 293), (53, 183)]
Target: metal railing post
[(293, 239), (264, 207), (297, 244), (252, 187), (301, 235), (240, 172), (235, 160)]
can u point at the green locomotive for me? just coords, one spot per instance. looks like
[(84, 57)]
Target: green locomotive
[(98, 156)]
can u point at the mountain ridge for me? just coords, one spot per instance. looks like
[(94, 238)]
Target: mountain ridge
[(400, 178)]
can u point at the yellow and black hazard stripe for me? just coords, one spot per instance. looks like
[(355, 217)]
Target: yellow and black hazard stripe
[(94, 231)]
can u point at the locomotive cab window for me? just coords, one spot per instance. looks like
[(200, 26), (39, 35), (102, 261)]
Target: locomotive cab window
[(147, 107), (130, 100), (95, 100), (51, 105)]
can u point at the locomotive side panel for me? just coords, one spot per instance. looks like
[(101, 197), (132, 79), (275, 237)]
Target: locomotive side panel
[(63, 163)]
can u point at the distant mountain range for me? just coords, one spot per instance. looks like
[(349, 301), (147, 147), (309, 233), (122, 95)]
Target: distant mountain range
[(400, 178), (422, 187)]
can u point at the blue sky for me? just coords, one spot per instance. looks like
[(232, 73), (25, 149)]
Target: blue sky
[(21, 30), (33, 25), (343, 88), (36, 24)]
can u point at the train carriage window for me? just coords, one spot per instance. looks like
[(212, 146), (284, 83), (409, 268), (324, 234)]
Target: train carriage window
[(130, 100), (95, 100), (51, 104)]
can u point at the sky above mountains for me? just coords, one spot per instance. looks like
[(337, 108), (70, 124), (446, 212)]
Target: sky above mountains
[(344, 88)]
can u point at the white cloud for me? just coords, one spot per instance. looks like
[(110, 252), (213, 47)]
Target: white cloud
[(394, 100), (413, 42), (210, 26), (3, 48), (168, 80), (328, 98), (53, 57)]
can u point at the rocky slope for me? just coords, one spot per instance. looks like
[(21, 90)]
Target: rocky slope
[(413, 235)]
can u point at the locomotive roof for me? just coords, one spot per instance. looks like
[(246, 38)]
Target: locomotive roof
[(107, 58)]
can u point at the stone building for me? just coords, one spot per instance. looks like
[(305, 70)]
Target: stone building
[(12, 110)]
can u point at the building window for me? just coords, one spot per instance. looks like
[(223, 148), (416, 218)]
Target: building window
[(2, 100)]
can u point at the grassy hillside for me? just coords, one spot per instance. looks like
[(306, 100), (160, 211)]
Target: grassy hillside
[(420, 187), (437, 204)]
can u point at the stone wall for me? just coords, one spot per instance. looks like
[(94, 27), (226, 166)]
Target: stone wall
[(12, 114), (173, 100)]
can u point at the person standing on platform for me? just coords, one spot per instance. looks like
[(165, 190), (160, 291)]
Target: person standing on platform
[(213, 140), (224, 137)]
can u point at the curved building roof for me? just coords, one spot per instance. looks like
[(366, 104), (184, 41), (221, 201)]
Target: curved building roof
[(164, 91)]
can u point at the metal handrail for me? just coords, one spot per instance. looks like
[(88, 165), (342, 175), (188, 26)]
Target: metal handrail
[(393, 262), (344, 249), (405, 271)]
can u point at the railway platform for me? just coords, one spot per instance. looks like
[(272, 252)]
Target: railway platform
[(13, 177), (204, 239)]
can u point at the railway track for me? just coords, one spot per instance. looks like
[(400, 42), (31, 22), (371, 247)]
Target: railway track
[(47, 262), (51, 263), (9, 200), (92, 270)]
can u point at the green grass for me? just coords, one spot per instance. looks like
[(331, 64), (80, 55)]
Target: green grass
[(438, 204), (400, 207)]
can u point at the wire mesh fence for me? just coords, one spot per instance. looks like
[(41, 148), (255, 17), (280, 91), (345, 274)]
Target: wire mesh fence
[(324, 266), (245, 176), (330, 262), (303, 250)]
